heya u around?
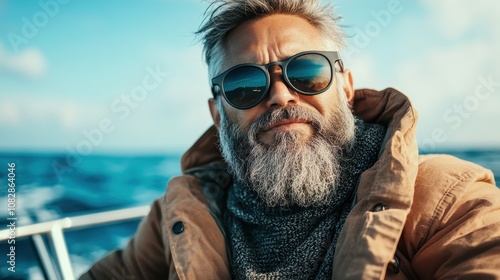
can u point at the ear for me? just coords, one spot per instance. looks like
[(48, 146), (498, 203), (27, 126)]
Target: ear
[(348, 85), (214, 111)]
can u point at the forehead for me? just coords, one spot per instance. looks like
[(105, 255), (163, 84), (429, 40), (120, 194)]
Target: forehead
[(270, 38)]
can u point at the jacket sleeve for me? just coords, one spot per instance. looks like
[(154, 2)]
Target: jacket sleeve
[(143, 258), (459, 230)]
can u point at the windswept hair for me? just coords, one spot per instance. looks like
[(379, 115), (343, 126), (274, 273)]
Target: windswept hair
[(222, 16)]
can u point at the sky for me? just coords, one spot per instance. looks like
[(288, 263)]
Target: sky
[(128, 76)]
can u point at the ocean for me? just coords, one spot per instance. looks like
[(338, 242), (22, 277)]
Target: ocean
[(53, 186)]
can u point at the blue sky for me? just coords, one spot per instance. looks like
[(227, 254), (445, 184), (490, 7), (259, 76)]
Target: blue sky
[(128, 76)]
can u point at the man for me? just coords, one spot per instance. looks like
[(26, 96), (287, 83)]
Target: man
[(303, 177)]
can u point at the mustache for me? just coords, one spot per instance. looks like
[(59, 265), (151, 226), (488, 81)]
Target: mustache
[(283, 113)]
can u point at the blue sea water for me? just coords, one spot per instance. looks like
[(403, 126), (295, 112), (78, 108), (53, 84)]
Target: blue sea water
[(52, 186)]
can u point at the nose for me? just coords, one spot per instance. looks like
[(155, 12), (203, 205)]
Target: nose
[(279, 93)]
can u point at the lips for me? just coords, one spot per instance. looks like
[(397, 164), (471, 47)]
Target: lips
[(286, 122)]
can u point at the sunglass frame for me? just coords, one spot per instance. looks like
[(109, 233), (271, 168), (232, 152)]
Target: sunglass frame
[(332, 57)]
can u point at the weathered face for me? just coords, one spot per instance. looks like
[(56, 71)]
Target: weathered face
[(269, 39), (287, 148)]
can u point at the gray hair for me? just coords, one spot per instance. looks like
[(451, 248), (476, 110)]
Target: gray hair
[(222, 16)]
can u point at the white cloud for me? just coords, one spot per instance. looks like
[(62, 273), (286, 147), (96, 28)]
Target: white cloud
[(29, 62), (172, 116), (43, 122), (458, 17), (9, 112), (446, 72), (19, 109)]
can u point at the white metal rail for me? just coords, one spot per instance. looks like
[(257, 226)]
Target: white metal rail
[(55, 232)]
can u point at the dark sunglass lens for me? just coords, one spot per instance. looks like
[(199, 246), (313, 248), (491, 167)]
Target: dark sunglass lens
[(310, 73), (245, 86)]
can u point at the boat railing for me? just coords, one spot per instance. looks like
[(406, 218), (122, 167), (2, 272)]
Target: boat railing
[(54, 230)]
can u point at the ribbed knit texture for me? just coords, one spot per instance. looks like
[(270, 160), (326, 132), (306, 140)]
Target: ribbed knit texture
[(296, 242)]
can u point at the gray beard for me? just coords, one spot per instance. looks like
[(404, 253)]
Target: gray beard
[(289, 172)]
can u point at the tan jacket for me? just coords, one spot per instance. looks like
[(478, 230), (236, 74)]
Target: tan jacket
[(427, 217)]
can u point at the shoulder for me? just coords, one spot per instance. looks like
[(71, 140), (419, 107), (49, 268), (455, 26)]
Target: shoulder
[(448, 169), (444, 180), (447, 191), (203, 183), (453, 227), (200, 191), (190, 202)]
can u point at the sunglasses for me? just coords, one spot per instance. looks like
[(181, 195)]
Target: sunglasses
[(245, 85)]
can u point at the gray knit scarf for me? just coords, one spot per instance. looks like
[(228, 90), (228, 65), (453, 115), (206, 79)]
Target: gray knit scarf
[(296, 242)]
